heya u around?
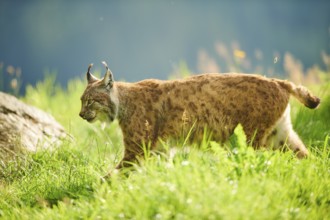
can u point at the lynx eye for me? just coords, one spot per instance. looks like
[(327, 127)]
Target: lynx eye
[(90, 102)]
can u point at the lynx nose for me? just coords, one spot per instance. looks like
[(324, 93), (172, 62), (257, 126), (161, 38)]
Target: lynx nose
[(81, 114)]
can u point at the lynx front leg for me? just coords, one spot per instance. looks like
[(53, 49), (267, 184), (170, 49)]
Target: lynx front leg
[(129, 158), (133, 151), (131, 154)]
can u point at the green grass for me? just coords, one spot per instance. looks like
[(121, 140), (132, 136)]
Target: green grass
[(198, 182)]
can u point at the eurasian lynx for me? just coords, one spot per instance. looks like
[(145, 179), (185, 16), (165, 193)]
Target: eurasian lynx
[(153, 109)]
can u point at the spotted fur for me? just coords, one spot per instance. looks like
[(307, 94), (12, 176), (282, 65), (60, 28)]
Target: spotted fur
[(152, 109)]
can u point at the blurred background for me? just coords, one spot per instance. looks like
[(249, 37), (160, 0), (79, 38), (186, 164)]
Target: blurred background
[(155, 39)]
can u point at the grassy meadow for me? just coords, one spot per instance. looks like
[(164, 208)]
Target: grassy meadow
[(198, 182)]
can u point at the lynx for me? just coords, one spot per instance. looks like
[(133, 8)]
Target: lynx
[(152, 109)]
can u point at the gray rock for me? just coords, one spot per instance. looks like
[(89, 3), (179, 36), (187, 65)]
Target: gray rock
[(24, 127)]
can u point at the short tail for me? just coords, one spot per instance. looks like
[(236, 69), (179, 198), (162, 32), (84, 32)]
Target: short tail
[(301, 93)]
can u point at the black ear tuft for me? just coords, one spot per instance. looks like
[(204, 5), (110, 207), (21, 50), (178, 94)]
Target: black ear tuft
[(90, 77), (108, 76)]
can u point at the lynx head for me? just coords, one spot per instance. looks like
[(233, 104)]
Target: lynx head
[(99, 100)]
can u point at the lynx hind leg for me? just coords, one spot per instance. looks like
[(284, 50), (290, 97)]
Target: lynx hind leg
[(283, 136)]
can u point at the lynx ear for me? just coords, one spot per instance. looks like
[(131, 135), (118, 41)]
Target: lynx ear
[(90, 77), (108, 77)]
